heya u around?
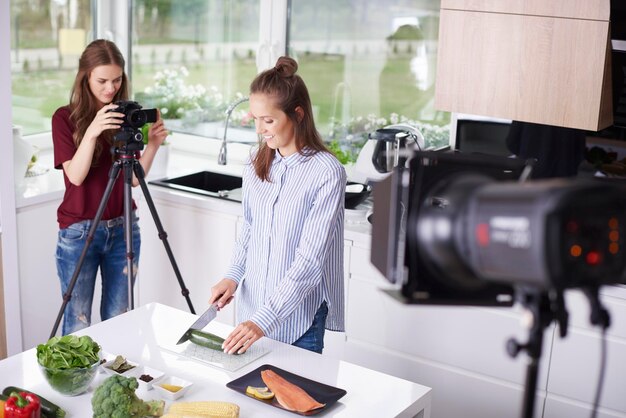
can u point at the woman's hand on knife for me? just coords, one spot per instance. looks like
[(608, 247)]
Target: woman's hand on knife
[(223, 293)]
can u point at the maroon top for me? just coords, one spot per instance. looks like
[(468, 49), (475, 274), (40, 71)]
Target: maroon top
[(81, 202)]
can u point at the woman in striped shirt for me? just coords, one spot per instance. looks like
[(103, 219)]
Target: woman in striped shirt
[(287, 266)]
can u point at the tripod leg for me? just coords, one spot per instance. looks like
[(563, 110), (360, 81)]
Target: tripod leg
[(544, 311), (128, 231), (113, 173), (532, 372), (139, 173)]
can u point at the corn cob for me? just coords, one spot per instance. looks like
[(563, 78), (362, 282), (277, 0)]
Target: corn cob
[(204, 409), (184, 416)]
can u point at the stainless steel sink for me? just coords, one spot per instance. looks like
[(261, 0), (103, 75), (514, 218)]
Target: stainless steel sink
[(206, 183)]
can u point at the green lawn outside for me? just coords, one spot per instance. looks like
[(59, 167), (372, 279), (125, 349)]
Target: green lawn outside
[(37, 94)]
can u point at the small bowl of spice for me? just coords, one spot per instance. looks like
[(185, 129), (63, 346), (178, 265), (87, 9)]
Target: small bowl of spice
[(119, 365), (172, 387), (147, 376)]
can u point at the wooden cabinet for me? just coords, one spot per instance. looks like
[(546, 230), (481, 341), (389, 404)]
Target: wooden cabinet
[(545, 62), (576, 9)]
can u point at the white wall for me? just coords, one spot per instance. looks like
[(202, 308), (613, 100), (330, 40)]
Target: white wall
[(7, 192)]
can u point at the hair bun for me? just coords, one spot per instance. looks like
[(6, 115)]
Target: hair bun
[(286, 66)]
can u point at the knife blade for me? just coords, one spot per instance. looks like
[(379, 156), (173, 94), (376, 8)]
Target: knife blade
[(200, 323)]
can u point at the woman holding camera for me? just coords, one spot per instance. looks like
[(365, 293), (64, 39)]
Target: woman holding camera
[(83, 136), (287, 266)]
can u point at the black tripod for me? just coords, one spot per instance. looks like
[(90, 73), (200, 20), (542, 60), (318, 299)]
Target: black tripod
[(130, 165), (545, 308)]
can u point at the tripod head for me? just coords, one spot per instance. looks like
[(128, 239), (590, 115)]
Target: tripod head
[(127, 141)]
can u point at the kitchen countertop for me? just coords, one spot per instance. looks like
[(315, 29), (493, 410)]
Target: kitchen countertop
[(44, 183), (183, 159), (141, 334)]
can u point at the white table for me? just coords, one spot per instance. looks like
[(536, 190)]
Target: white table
[(139, 335)]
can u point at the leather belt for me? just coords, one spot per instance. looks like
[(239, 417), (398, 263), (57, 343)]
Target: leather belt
[(111, 223)]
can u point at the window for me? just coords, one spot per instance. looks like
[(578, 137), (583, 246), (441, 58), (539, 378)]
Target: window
[(47, 37), (369, 64), (192, 59)]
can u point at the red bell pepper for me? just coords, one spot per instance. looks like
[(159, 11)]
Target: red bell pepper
[(22, 405)]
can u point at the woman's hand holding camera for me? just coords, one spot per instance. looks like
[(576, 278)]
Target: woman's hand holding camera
[(105, 119), (157, 132), (78, 167)]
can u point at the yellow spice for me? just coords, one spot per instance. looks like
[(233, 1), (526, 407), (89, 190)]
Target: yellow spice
[(171, 388)]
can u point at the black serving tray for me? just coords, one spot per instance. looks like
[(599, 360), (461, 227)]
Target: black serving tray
[(322, 393)]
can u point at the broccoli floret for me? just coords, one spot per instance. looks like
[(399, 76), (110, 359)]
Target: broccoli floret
[(116, 398)]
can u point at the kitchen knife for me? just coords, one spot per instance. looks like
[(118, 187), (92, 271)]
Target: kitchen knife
[(200, 323)]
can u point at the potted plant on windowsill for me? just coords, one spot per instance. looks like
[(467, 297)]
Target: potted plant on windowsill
[(187, 108), (345, 140)]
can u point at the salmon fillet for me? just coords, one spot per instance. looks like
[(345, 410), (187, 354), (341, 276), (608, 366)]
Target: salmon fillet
[(288, 395)]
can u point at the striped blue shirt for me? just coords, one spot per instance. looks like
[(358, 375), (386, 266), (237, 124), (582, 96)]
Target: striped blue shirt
[(288, 257)]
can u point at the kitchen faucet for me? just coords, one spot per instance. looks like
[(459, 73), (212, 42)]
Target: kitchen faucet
[(221, 158)]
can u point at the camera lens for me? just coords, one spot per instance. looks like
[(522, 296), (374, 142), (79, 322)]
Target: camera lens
[(137, 118)]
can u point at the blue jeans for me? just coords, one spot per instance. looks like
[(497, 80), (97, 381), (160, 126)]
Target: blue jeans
[(313, 338), (106, 252)]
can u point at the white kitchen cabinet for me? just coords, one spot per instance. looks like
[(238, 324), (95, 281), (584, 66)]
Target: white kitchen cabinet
[(472, 339), (40, 290), (202, 241), (448, 334), (458, 351), (562, 407), (334, 342), (575, 361), (3, 335), (456, 392)]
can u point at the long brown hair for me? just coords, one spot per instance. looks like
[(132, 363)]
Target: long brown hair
[(290, 92), (83, 104)]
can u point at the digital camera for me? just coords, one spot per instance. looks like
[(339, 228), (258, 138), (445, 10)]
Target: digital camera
[(134, 115)]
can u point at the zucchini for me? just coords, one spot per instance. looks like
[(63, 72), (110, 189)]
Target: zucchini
[(206, 339), (48, 409)]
